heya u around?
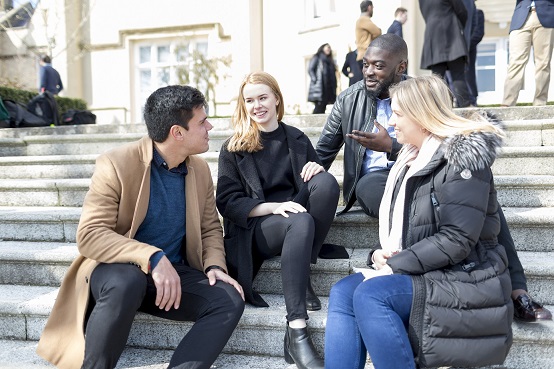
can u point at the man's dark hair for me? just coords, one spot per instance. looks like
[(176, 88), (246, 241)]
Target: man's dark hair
[(364, 4), (393, 43), (46, 59), (168, 106)]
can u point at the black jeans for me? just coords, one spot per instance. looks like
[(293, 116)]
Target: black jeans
[(319, 107), (298, 240), (457, 70), (118, 291), (370, 189)]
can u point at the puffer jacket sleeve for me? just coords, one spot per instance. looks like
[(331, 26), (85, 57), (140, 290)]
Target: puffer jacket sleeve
[(232, 198), (332, 138), (463, 205)]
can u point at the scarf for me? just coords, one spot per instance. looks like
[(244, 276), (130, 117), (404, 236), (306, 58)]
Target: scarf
[(416, 159)]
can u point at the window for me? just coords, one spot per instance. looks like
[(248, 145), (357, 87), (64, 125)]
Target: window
[(319, 14), (485, 67), (159, 64), (18, 13)]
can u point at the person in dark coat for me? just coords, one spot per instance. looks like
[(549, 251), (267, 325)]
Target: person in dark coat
[(275, 199), (439, 290), (49, 77), (444, 46), (323, 79), (477, 33), (351, 68), (400, 17)]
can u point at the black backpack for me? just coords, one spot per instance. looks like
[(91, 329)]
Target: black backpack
[(73, 116), (21, 117), (45, 106)]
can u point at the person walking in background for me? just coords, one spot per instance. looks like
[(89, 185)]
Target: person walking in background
[(275, 199), (49, 77), (404, 311), (323, 79), (400, 17), (351, 68), (532, 25), (366, 31), (444, 46), (477, 33), (149, 240)]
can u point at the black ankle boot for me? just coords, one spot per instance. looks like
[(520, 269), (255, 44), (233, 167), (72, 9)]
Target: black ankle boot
[(300, 350), (312, 302)]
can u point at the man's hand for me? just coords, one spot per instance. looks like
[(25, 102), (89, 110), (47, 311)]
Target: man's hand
[(310, 169), (219, 275), (380, 141), (168, 285)]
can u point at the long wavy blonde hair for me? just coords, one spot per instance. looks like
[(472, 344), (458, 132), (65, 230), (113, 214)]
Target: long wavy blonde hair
[(428, 101), (247, 133)]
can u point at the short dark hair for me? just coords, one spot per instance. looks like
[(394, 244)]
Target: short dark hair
[(400, 10), (364, 4), (393, 43), (168, 106), (46, 59)]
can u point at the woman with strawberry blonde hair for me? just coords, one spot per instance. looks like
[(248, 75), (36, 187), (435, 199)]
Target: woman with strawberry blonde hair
[(275, 199)]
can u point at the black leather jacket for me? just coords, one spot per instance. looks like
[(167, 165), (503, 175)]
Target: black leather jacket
[(353, 110)]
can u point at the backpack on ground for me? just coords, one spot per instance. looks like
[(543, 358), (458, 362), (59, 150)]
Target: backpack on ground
[(21, 117), (4, 116), (44, 105), (73, 116)]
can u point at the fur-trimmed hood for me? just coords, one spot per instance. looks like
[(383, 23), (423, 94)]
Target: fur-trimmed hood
[(475, 151)]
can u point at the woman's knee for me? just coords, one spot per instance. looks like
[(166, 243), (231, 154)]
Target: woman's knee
[(325, 183), (343, 291)]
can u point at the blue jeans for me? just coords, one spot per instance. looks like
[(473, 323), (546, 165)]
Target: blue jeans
[(373, 316)]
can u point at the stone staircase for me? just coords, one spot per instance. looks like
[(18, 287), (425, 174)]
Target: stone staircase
[(45, 173)]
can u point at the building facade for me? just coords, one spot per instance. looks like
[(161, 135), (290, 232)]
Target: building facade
[(113, 54)]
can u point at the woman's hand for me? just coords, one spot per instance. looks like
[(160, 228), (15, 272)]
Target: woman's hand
[(379, 258), (310, 169), (288, 207)]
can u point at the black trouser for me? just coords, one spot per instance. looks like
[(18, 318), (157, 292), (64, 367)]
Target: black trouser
[(298, 239), (370, 189), (118, 291), (457, 70), (319, 107)]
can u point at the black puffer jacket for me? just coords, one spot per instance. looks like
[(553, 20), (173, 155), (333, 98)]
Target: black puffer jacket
[(354, 109), (462, 310)]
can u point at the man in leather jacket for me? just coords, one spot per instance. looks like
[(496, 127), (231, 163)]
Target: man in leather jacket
[(370, 148), (359, 121)]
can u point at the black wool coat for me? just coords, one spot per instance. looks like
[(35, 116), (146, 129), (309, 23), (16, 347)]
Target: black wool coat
[(238, 191), (444, 39)]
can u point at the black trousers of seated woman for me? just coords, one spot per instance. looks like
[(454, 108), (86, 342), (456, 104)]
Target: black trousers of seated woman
[(298, 239)]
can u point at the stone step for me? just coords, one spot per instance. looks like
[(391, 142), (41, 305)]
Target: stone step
[(513, 191), (17, 354), (530, 227), (63, 141), (45, 264), (24, 310)]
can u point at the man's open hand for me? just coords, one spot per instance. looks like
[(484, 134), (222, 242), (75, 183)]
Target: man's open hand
[(380, 141)]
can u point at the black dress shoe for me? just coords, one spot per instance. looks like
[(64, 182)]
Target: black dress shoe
[(300, 350), (312, 302), (528, 310)]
